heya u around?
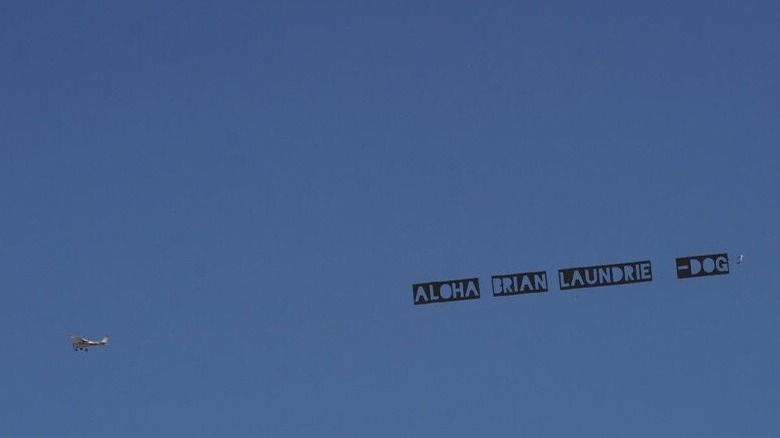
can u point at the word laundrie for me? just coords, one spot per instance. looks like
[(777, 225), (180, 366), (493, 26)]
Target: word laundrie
[(605, 275)]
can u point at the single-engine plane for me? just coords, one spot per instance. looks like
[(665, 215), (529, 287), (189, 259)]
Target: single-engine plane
[(83, 344)]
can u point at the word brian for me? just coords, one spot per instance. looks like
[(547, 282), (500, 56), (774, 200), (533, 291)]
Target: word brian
[(523, 283), (605, 275), (444, 291)]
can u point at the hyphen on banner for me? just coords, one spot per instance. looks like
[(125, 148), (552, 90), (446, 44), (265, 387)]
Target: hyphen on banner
[(445, 291), (605, 275)]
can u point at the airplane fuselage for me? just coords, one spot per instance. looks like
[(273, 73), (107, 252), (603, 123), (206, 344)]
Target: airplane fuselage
[(84, 344)]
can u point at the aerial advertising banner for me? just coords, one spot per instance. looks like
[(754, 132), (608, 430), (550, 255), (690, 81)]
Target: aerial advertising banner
[(617, 274)]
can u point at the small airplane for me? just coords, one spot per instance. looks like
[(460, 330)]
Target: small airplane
[(80, 343)]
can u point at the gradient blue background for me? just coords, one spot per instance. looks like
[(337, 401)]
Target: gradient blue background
[(242, 193)]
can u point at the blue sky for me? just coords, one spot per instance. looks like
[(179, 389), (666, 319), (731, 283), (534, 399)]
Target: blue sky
[(241, 194)]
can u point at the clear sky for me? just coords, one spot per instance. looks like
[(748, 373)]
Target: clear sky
[(241, 195)]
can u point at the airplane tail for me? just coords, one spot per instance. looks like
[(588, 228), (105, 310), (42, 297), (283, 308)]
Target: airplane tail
[(104, 341)]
